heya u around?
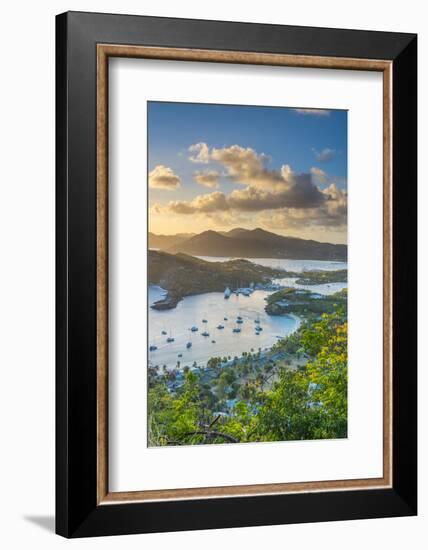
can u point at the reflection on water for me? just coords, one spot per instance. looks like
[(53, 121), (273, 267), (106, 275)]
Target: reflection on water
[(176, 323), (214, 309), (289, 265), (329, 288)]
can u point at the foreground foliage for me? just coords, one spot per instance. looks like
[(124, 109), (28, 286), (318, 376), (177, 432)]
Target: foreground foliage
[(256, 397)]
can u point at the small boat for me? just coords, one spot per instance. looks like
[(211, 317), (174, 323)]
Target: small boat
[(189, 345), (205, 333), (153, 348), (170, 339), (227, 293), (194, 329), (164, 332), (220, 327)]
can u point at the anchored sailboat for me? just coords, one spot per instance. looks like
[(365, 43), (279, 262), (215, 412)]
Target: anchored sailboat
[(153, 347), (189, 343), (237, 329)]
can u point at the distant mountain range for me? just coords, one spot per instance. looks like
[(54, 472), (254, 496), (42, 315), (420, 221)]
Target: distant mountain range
[(244, 243), (163, 242)]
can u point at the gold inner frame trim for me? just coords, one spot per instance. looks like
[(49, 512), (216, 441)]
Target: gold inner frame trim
[(104, 51)]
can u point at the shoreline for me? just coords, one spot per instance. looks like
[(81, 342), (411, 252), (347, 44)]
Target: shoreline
[(233, 361), (259, 357), (170, 300), (182, 275)]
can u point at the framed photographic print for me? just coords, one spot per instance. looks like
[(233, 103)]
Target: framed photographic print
[(236, 274)]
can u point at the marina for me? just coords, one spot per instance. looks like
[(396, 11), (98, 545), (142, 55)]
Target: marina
[(226, 338), (235, 323)]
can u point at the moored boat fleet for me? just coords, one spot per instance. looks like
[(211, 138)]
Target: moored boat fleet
[(245, 291), (236, 329)]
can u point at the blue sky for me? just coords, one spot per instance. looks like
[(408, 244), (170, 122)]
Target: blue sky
[(312, 143)]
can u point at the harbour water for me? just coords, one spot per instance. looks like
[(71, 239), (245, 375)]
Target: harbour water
[(212, 307), (289, 265)]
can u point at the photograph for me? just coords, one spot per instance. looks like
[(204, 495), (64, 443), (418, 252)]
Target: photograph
[(212, 285), (247, 273)]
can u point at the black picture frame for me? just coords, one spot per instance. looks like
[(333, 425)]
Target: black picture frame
[(77, 511)]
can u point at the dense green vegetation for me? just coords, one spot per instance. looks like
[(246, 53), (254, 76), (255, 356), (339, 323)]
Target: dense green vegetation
[(182, 275), (296, 391), (322, 277), (304, 302)]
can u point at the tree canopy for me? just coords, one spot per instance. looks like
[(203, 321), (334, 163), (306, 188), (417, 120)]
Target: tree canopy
[(255, 399)]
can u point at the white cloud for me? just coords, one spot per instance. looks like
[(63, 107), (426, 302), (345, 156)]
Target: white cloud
[(283, 220), (163, 177), (199, 153), (319, 175), (280, 197), (244, 165), (202, 204), (313, 112), (331, 214), (301, 193), (325, 155), (207, 178)]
